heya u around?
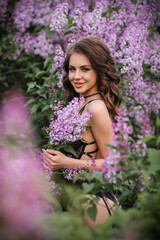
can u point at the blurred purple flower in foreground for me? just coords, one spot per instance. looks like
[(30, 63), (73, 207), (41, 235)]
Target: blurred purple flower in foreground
[(23, 191)]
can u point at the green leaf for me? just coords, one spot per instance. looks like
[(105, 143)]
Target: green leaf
[(49, 34), (70, 20), (40, 73), (84, 174), (45, 108), (158, 121), (92, 212), (158, 141), (88, 187), (104, 14), (154, 159), (98, 176), (148, 138), (34, 108), (31, 85), (70, 149), (47, 61), (29, 101), (112, 146), (125, 194), (68, 32)]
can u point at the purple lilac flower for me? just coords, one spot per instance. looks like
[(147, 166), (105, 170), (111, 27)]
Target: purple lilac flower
[(121, 139), (69, 124), (38, 45), (10, 123), (154, 56), (50, 185), (51, 89), (22, 14), (24, 195), (59, 18), (139, 148), (145, 93), (133, 53), (3, 9), (58, 58), (37, 12), (71, 173), (138, 181)]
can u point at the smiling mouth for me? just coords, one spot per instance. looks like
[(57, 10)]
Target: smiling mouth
[(78, 85)]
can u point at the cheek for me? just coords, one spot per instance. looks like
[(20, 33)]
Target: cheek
[(94, 78), (70, 76)]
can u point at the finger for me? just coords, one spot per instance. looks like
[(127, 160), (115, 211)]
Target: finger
[(45, 158), (46, 166), (49, 162), (52, 151), (46, 154)]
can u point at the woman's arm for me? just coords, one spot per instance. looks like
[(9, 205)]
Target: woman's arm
[(54, 160), (101, 127)]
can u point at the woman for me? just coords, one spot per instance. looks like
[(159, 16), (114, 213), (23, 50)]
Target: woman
[(90, 73)]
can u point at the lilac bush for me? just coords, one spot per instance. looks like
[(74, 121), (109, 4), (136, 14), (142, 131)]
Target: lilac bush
[(130, 31)]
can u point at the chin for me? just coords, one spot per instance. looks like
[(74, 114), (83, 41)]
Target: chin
[(80, 91)]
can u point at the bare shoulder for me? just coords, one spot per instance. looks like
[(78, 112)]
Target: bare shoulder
[(97, 107)]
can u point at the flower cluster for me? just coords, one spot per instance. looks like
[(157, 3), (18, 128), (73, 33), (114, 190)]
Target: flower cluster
[(121, 146), (59, 18), (69, 124), (138, 182), (38, 44), (144, 97), (58, 58), (3, 9), (154, 56), (139, 148), (69, 174), (51, 89), (37, 12)]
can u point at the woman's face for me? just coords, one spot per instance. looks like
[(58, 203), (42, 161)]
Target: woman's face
[(81, 75)]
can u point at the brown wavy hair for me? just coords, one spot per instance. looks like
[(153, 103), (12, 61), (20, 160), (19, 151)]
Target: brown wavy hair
[(102, 62)]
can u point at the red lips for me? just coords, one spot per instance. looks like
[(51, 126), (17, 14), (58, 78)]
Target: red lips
[(78, 84)]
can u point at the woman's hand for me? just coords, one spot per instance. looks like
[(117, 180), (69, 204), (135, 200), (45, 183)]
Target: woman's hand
[(54, 160)]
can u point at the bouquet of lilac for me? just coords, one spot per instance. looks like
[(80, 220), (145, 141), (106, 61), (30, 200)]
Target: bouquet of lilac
[(67, 125)]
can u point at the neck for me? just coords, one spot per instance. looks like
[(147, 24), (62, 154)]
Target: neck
[(91, 95)]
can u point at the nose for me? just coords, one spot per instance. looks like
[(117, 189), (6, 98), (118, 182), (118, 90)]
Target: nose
[(77, 74)]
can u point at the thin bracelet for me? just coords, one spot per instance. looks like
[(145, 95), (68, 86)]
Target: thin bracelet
[(88, 163)]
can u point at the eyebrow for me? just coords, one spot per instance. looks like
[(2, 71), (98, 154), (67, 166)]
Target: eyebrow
[(81, 66)]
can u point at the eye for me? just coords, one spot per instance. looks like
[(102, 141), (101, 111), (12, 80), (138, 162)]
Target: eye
[(85, 69), (71, 69)]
